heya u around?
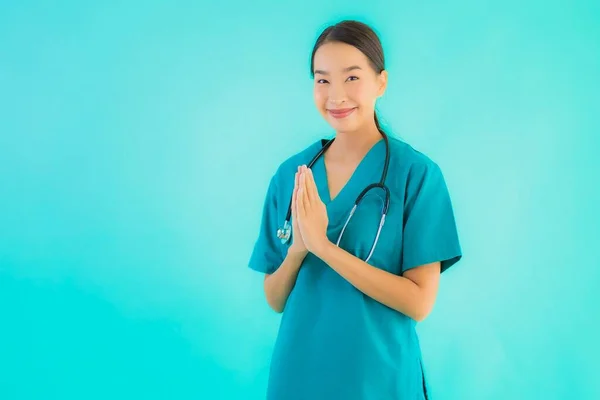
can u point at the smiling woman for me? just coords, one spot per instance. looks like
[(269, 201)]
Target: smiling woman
[(372, 229), (348, 65)]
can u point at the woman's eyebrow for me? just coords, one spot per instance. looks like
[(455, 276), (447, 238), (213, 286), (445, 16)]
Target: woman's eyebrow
[(347, 69)]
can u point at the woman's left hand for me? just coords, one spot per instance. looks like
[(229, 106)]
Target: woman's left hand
[(312, 213)]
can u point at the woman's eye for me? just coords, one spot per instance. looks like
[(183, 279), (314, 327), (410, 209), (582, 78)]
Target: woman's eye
[(351, 78)]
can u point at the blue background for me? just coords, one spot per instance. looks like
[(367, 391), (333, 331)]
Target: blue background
[(136, 144)]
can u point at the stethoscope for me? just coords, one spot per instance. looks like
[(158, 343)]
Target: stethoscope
[(285, 233)]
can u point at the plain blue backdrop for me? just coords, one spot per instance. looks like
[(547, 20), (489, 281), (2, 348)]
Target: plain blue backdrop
[(136, 144)]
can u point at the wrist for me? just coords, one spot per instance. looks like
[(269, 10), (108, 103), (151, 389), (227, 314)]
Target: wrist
[(322, 248), (296, 254)]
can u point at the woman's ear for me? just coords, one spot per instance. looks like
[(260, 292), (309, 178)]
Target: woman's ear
[(382, 82)]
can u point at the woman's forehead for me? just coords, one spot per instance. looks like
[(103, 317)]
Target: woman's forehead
[(338, 58)]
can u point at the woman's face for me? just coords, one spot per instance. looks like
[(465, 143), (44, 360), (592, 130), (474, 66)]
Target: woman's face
[(346, 87)]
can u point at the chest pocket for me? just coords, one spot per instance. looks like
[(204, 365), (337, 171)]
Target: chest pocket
[(361, 232)]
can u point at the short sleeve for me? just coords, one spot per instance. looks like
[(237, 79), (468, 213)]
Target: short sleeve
[(266, 255), (429, 230)]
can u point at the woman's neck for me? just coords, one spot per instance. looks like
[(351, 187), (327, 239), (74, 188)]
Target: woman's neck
[(352, 146)]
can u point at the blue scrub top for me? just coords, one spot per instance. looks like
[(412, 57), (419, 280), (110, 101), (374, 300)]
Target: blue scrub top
[(335, 342)]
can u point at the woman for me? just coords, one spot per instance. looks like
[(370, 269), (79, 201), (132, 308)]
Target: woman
[(349, 313)]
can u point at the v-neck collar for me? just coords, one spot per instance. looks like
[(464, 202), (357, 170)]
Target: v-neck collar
[(351, 188)]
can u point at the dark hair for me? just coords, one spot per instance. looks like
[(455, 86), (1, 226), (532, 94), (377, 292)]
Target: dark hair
[(356, 34)]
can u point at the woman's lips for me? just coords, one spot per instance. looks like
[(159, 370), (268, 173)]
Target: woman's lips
[(341, 113)]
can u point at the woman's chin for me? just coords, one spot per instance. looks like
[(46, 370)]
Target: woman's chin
[(343, 124)]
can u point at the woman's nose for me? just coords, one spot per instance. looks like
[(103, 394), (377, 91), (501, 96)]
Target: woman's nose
[(336, 95), (336, 103)]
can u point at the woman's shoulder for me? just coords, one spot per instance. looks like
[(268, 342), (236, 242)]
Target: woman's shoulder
[(409, 163), (406, 155)]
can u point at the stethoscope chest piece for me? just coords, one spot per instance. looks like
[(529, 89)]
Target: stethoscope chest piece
[(284, 233)]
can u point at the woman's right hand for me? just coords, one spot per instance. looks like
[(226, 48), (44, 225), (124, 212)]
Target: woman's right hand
[(297, 246)]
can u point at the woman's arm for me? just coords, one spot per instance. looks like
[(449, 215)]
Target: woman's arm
[(280, 283), (412, 294)]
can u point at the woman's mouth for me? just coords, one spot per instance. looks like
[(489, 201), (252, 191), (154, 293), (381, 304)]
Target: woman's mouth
[(341, 112)]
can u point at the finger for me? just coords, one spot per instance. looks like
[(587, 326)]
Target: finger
[(294, 194), (313, 195), (305, 186), (296, 181), (300, 199)]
